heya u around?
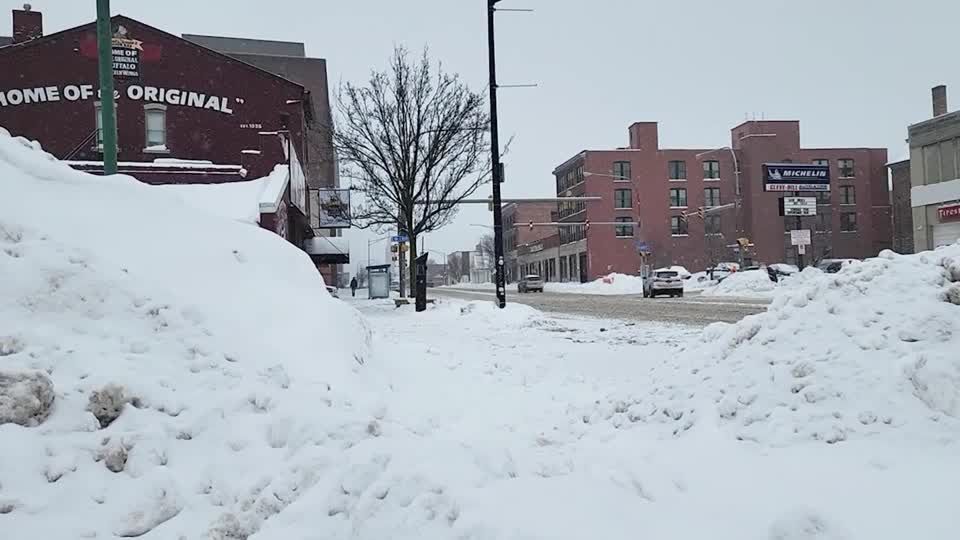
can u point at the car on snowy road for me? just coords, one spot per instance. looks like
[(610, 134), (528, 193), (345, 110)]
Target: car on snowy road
[(530, 283), (663, 281)]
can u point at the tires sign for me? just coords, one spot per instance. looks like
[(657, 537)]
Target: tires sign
[(950, 212)]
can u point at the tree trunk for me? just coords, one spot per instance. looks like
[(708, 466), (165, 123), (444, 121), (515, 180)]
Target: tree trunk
[(412, 265)]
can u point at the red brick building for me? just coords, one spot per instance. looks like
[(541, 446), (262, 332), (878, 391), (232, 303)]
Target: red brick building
[(518, 236), (650, 189), (186, 114)]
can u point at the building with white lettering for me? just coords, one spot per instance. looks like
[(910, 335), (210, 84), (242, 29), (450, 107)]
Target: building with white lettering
[(189, 111)]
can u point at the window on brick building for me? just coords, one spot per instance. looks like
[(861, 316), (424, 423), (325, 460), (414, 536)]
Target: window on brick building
[(711, 197), (711, 170), (677, 170), (823, 222), (848, 222), (825, 162), (98, 122), (823, 197), (623, 198), (678, 197), (678, 226), (626, 229), (846, 167), (848, 195), (621, 171), (711, 225), (155, 120)]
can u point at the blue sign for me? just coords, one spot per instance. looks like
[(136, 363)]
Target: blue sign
[(795, 177), (399, 239), (643, 247)]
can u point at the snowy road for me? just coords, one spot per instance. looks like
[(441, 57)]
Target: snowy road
[(692, 310)]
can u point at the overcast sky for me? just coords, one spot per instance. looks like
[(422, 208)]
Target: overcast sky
[(854, 72)]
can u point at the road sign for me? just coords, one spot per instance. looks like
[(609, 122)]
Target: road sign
[(800, 237), (643, 247), (798, 206), (802, 249), (795, 177), (399, 239)]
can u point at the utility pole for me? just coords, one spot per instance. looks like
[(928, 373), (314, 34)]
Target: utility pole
[(108, 119), (500, 278)]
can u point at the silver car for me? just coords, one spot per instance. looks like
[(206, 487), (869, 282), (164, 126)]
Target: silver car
[(663, 282), (530, 283)]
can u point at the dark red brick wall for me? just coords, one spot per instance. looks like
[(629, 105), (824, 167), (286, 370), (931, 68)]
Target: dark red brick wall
[(902, 218), (68, 58)]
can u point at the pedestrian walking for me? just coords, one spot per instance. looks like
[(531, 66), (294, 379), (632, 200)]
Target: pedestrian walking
[(353, 286)]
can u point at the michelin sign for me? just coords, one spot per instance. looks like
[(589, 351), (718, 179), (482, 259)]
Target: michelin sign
[(795, 177)]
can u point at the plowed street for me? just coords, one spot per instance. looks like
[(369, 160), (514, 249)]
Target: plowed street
[(692, 309)]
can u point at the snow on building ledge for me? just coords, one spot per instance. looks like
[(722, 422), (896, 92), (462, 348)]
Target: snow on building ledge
[(330, 249)]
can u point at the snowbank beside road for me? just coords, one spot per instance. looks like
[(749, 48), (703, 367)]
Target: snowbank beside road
[(608, 285), (866, 353), (203, 378), (749, 283)]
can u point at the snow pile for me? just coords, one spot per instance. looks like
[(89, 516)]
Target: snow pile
[(749, 283), (203, 379), (868, 352), (610, 284), (240, 201)]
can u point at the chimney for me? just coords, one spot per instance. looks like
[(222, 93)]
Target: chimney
[(27, 24), (939, 100), (643, 136)]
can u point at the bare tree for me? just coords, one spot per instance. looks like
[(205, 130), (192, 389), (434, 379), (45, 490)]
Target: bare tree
[(414, 141)]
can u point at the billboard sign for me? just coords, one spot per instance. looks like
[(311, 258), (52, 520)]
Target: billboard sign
[(795, 177), (333, 208)]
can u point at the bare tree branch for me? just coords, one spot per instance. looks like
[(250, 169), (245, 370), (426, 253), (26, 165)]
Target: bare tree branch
[(415, 140)]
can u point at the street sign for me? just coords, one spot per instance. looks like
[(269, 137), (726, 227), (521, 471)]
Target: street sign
[(800, 237), (802, 249), (399, 239), (798, 206), (795, 177), (643, 247)]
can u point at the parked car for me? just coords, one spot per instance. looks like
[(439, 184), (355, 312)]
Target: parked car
[(530, 283), (832, 266), (334, 292), (663, 281)]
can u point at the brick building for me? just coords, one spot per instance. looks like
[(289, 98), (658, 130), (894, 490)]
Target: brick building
[(186, 113), (518, 236), (649, 189), (902, 212)]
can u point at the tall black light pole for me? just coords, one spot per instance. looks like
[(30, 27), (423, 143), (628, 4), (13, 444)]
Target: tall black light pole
[(500, 278)]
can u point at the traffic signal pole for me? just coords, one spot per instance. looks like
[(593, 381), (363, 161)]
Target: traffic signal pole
[(500, 277), (108, 117)]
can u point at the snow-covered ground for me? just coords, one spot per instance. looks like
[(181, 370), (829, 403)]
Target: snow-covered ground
[(254, 406), (234, 370)]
